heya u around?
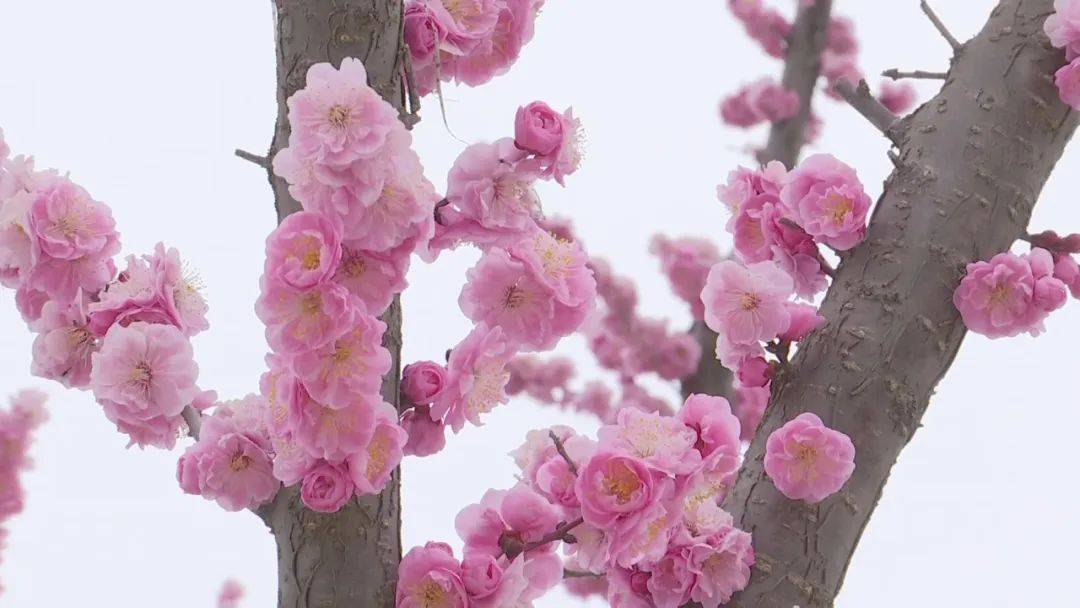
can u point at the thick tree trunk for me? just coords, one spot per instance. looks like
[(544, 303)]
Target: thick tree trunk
[(971, 165), (786, 138), (347, 559)]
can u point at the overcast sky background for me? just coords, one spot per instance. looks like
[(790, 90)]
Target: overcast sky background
[(144, 102)]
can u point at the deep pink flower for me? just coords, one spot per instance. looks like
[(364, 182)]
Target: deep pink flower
[(327, 487), (545, 470), (745, 305), (426, 436), (841, 36), (804, 319), (538, 129), (476, 378), (671, 580), (496, 52), (304, 250), (763, 100), (754, 371), (628, 588), (827, 200), (146, 370), (807, 460), (1068, 83), (425, 35), (721, 565), (1010, 294), (716, 431), (506, 520), (430, 577), (422, 382), (899, 98), (617, 490), (743, 183), (372, 466), (352, 364), (1063, 27), (303, 320), (752, 402)]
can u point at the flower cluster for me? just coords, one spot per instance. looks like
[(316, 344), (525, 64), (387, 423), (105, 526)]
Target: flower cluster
[(125, 336), (686, 262), (761, 101), (640, 505), (1012, 294), (1063, 28), (466, 41), (17, 425), (530, 288)]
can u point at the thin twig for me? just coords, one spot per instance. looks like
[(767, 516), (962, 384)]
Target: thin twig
[(896, 74), (413, 116), (194, 421), (568, 573), (944, 31), (562, 452), (866, 104), (895, 158), (262, 161)]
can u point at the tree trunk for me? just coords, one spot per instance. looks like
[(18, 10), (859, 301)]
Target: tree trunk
[(346, 559), (972, 163)]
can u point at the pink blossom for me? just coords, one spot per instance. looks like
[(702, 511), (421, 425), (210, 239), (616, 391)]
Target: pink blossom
[(721, 565), (506, 521), (17, 247), (69, 225), (230, 595), (1010, 294), (836, 67), (373, 277), (716, 431), (743, 183), (1063, 27), (618, 490), (827, 200), (628, 588), (808, 461), (804, 319), (899, 98), (765, 25), (662, 442), (422, 382), (425, 35), (352, 364), (476, 378), (560, 265), (327, 487), (337, 118), (699, 497), (372, 466), (488, 187), (303, 320), (496, 53), (304, 250), (145, 370), (752, 402), (335, 433), (430, 576), (760, 101), (671, 580), (154, 289), (1068, 83), (841, 36), (566, 157), (30, 304), (64, 345), (754, 371), (538, 129), (426, 436), (545, 470), (686, 262), (1067, 271), (745, 305)]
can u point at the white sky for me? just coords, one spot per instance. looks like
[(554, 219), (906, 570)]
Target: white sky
[(143, 102)]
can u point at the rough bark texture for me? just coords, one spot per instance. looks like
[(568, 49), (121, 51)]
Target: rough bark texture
[(786, 138), (972, 162), (347, 559)]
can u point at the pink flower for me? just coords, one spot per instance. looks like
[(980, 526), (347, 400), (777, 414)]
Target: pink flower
[(304, 250), (1063, 27), (487, 186), (425, 35), (146, 370), (841, 36), (326, 488), (352, 364), (765, 25), (751, 408), (807, 460), (337, 118), (506, 521), (721, 566), (662, 442), (153, 289), (230, 595), (743, 183), (827, 200), (560, 265), (617, 490), (686, 262), (1010, 294), (476, 378), (1068, 83), (762, 232), (671, 580), (373, 277), (69, 225), (422, 382), (17, 247), (1067, 271), (538, 129), (763, 100), (899, 98), (495, 53), (716, 431), (335, 433), (754, 371), (304, 320), (745, 304), (545, 470), (699, 497), (628, 588), (804, 319), (430, 576), (64, 345), (372, 466), (426, 436), (237, 473)]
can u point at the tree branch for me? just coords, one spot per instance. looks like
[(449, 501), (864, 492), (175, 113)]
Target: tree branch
[(864, 102), (261, 161), (896, 74), (974, 160), (193, 419), (944, 31), (562, 452)]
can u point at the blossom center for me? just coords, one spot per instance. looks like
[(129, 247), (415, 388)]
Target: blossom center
[(432, 595), (354, 266), (999, 294), (378, 456), (750, 301), (487, 389), (338, 116), (311, 304), (240, 462), (514, 297), (838, 207), (142, 374), (312, 260), (621, 483)]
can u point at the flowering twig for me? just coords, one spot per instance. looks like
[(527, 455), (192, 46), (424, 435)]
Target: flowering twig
[(562, 452), (860, 98), (944, 31), (261, 161), (896, 74)]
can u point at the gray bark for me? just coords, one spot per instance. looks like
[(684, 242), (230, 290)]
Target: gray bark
[(349, 558), (972, 163)]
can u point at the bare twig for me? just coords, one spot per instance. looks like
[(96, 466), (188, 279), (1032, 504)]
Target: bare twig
[(262, 161), (413, 115), (896, 74), (944, 31), (194, 421), (562, 452), (860, 98), (512, 545)]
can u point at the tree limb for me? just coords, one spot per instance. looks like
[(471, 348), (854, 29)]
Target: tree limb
[(896, 74), (973, 162), (940, 26), (864, 102)]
